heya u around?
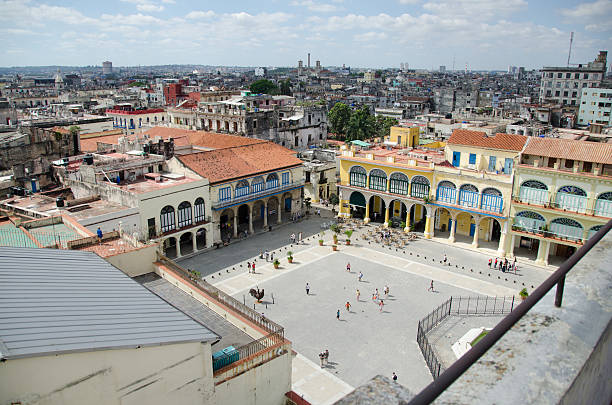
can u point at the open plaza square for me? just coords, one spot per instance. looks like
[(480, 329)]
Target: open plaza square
[(366, 339)]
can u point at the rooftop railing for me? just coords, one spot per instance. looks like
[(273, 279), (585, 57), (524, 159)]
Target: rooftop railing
[(448, 377)]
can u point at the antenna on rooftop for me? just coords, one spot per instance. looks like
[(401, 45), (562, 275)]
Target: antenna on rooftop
[(570, 48)]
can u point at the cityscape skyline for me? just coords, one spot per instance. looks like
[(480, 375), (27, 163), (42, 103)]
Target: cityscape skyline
[(483, 34)]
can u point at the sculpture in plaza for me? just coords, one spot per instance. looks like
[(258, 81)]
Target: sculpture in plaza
[(257, 293)]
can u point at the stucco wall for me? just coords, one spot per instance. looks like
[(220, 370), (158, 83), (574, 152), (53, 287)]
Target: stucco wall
[(167, 374), (135, 262)]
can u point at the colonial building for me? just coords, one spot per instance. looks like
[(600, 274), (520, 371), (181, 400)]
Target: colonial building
[(319, 173), (473, 192), (562, 195), (133, 121), (388, 186), (252, 186)]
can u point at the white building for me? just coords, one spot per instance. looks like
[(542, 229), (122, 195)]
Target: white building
[(260, 71), (595, 107)]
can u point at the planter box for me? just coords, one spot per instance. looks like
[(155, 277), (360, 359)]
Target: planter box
[(320, 243), (348, 242), (334, 248)]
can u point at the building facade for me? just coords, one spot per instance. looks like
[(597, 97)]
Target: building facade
[(595, 107), (562, 195), (136, 121), (563, 85)]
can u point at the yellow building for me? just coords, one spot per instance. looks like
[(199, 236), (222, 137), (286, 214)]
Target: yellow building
[(474, 188), (562, 196), (387, 187), (404, 137)]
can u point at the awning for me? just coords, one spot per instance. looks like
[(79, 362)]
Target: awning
[(360, 143), (357, 199)]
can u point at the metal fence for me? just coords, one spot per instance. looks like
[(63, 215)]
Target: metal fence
[(457, 306)]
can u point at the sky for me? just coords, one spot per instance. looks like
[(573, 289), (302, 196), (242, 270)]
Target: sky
[(485, 34)]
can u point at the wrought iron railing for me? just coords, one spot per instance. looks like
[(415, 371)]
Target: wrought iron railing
[(262, 193), (457, 306), (449, 376)]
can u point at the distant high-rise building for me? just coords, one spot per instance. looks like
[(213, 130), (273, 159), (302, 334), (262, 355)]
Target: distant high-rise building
[(318, 65), (442, 69), (563, 85), (107, 68), (309, 60)]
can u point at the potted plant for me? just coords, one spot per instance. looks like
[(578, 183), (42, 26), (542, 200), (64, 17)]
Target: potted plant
[(523, 294), (290, 256), (348, 234), (276, 263), (321, 238), (334, 247), (336, 230)]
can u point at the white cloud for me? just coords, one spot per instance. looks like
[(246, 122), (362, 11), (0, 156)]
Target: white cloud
[(149, 8), (370, 36), (168, 1), (599, 8), (409, 1), (200, 14), (315, 7), (474, 9)]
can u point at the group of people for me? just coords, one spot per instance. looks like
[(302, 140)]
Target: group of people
[(386, 234), (269, 256), (504, 264), (251, 267), (324, 357), (293, 238), (296, 216)]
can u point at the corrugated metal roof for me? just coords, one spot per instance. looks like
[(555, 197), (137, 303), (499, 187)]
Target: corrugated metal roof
[(597, 152), (55, 301)]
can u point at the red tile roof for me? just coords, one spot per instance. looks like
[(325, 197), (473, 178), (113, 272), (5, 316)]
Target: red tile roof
[(481, 140), (585, 151), (231, 163), (202, 138)]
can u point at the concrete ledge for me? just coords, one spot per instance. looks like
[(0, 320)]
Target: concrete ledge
[(552, 355)]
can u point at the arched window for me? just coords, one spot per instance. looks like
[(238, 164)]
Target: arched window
[(594, 230), (167, 219), (378, 180), (419, 187), (491, 200), (603, 205), (358, 176), (257, 185), (566, 228), (399, 183), (533, 192), (242, 188), (446, 192), (271, 181), (198, 210), (468, 196), (184, 214), (529, 221), (571, 198)]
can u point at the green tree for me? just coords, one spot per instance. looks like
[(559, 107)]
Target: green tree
[(264, 86), (285, 88), (361, 125), (384, 124), (338, 118)]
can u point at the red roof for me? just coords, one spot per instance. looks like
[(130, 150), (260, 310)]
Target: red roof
[(584, 151), (221, 165), (482, 140)]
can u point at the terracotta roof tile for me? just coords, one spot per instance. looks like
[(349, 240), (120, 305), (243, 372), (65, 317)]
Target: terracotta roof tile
[(585, 151), (202, 138), (91, 144), (481, 140), (230, 163)]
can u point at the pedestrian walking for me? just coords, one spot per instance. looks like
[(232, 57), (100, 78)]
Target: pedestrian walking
[(394, 376), (253, 267), (322, 358), (431, 287), (348, 267), (376, 294), (445, 258), (99, 233), (360, 276), (307, 289), (348, 306), (300, 237), (381, 304), (338, 314), (490, 261), (261, 254), (292, 238), (271, 256), (358, 293), (326, 356), (267, 255), (495, 266), (249, 266), (386, 291)]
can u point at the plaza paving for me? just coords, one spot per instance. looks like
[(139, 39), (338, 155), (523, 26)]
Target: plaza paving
[(365, 342)]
